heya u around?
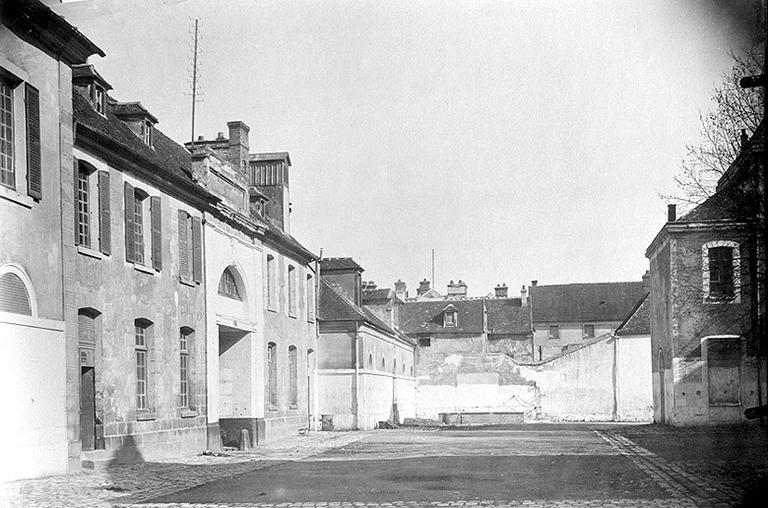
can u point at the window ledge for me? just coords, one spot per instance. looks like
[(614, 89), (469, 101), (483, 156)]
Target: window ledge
[(272, 309), (719, 301), (724, 404), (188, 413), (145, 416), (86, 251), (293, 406), (272, 408), (292, 316), (186, 282), (16, 197), (310, 320), (143, 269)]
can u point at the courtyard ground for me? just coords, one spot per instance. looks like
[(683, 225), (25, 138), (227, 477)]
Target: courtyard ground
[(526, 465)]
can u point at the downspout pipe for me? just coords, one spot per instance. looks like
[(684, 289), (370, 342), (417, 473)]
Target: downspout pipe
[(356, 399)]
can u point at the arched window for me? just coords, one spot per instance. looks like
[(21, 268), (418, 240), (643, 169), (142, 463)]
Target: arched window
[(228, 285), (13, 295)]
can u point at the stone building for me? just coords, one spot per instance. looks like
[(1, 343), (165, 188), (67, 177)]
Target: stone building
[(261, 296), (567, 315), (365, 364), (704, 311), (466, 351), (38, 431), (135, 291)]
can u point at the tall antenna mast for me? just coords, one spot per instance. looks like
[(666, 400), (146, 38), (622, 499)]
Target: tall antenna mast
[(433, 268), (194, 82)]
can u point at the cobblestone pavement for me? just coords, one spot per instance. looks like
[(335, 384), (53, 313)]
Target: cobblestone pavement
[(676, 477), (135, 483)]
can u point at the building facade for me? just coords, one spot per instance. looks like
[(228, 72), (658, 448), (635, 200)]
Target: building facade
[(37, 51), (365, 364), (705, 317)]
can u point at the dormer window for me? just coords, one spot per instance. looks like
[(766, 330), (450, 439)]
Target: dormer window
[(97, 98), (450, 316), (146, 132)]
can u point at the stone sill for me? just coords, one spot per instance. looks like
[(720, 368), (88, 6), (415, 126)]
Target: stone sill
[(143, 269), (16, 197), (272, 408), (87, 251), (188, 413), (292, 407), (145, 416), (186, 282)]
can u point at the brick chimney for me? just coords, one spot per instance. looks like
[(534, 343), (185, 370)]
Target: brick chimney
[(534, 283), (671, 213), (400, 290), (501, 290), (423, 287), (458, 290), (369, 285), (238, 146), (523, 296)]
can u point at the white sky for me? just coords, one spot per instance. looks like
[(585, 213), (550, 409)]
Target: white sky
[(521, 139)]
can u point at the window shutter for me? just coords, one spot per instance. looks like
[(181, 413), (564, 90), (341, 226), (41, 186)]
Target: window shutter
[(34, 164), (197, 249), (157, 232), (130, 240), (183, 246), (13, 295), (76, 201), (105, 224)]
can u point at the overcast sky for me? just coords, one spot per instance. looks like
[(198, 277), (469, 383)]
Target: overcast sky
[(521, 140)]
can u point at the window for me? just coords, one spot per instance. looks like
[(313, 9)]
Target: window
[(228, 285), (720, 271), (142, 329), (7, 173), (291, 290), (190, 248), (425, 342), (14, 297), (271, 293), (97, 97), (83, 210), (293, 377), (146, 132), (272, 374), (589, 331), (554, 332), (92, 214), (450, 316), (185, 342), (143, 226), (310, 298), (18, 161)]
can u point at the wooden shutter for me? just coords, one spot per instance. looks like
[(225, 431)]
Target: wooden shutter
[(183, 246), (76, 201), (130, 213), (105, 214), (86, 329), (13, 295), (34, 163), (157, 232), (197, 249)]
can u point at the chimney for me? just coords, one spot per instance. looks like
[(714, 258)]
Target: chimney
[(534, 283), (400, 290), (501, 291), (423, 287), (647, 282), (458, 290), (523, 296), (369, 285), (238, 146), (671, 213), (744, 138)]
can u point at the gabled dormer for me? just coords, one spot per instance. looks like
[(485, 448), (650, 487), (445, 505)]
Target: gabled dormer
[(92, 86), (137, 118), (450, 317)]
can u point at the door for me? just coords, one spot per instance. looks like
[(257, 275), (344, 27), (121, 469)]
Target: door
[(723, 362), (87, 408), (662, 396)]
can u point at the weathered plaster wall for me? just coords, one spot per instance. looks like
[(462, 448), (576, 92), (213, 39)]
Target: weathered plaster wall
[(121, 292), (570, 333)]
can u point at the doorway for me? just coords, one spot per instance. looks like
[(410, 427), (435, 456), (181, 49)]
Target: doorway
[(88, 408), (662, 395)]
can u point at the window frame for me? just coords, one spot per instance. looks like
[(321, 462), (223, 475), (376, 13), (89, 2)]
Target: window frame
[(272, 392), (554, 332), (293, 377), (292, 293), (186, 337), (228, 285), (143, 331), (310, 290), (271, 283), (708, 296), (11, 86), (585, 331)]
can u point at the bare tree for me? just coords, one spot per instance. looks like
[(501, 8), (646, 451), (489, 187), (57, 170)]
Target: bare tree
[(736, 108)]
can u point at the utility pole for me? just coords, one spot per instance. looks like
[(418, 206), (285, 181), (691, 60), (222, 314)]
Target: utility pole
[(194, 80), (433, 268)]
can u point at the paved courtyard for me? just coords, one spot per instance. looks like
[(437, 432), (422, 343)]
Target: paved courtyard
[(530, 465)]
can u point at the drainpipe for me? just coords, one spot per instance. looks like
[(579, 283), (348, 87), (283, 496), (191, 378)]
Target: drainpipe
[(614, 379), (356, 400)]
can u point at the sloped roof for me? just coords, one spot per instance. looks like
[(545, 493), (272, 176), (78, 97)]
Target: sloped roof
[(167, 156), (339, 264), (132, 109), (638, 322), (507, 317), (373, 295), (427, 317), (719, 206), (600, 301)]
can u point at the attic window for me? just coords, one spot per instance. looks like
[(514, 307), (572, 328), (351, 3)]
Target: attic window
[(449, 316), (97, 98), (146, 132)]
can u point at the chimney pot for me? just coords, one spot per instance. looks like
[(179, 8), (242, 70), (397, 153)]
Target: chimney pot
[(201, 138), (671, 213), (220, 136), (534, 283)]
